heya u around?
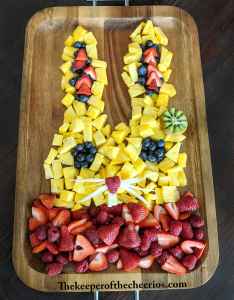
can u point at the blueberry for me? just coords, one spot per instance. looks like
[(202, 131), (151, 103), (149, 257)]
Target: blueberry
[(149, 44), (146, 143), (144, 155), (73, 81), (77, 164), (89, 61), (152, 158), (88, 145), (73, 69), (93, 150), (89, 157), (84, 164), (82, 98), (160, 153), (150, 92), (141, 80), (78, 45), (143, 47), (152, 146), (142, 70), (80, 157), (80, 147), (160, 143)]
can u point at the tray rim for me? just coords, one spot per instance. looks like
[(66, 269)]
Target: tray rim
[(31, 28)]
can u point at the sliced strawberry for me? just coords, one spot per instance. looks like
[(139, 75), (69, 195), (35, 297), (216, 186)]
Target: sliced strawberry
[(177, 252), (62, 259), (82, 249), (39, 214), (53, 212), (80, 214), (62, 218), (176, 227), (199, 252), (115, 210), (84, 90), (102, 217), (165, 221), (47, 200), (158, 211), (113, 183), (129, 237), (150, 59), (119, 264), (185, 215), (112, 256), (105, 249), (188, 245), (149, 236), (166, 240), (150, 221), (78, 65), (33, 224), (187, 203), (92, 236), (126, 214), (130, 260), (91, 72), (66, 240), (83, 80), (47, 257), (75, 224), (54, 269), (150, 68), (81, 228), (197, 221), (146, 262), (108, 233), (172, 265), (138, 212), (189, 261), (152, 78), (81, 55), (153, 86), (155, 249), (52, 248), (39, 248), (172, 209), (151, 51), (187, 231), (34, 240), (98, 263)]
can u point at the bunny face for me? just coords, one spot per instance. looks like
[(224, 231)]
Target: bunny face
[(138, 161)]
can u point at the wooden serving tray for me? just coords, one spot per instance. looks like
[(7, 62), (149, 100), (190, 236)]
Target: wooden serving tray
[(42, 112)]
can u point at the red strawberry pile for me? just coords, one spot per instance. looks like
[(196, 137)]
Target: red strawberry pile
[(83, 83), (148, 74), (127, 235)]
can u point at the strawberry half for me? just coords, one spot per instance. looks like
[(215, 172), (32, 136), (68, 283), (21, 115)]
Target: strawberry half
[(108, 233), (81, 55), (84, 90), (188, 245), (75, 224), (53, 212), (39, 214), (165, 221), (187, 203), (158, 211), (138, 212), (91, 72), (52, 248), (150, 51), (113, 183), (81, 228), (172, 265), (146, 262), (82, 249), (149, 221), (130, 260), (189, 261), (98, 263), (150, 69), (172, 209), (54, 269), (166, 240), (126, 214), (47, 200), (105, 249), (129, 237), (83, 80), (66, 240), (62, 218), (78, 65), (34, 240), (39, 248), (33, 224)]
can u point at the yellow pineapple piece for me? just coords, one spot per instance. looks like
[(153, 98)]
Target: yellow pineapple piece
[(161, 110), (135, 141), (87, 131), (139, 165), (170, 194), (127, 79), (70, 90), (168, 145), (127, 171), (69, 51), (169, 89), (173, 178), (77, 125), (110, 142), (57, 140), (89, 38), (96, 164), (66, 67), (151, 175), (110, 151), (86, 173), (162, 38), (64, 128), (68, 99), (56, 185), (134, 48), (132, 68), (125, 198), (96, 63), (112, 170), (148, 28), (148, 101), (173, 153), (137, 39), (78, 187), (69, 41), (69, 114), (132, 152), (69, 172), (93, 112), (145, 131), (80, 108), (106, 161), (162, 100), (182, 178), (67, 196), (137, 102), (57, 169), (136, 112), (137, 30), (122, 157), (175, 138), (91, 51), (136, 90), (165, 59), (159, 194), (99, 200), (79, 33), (101, 75), (100, 121), (182, 160), (67, 159), (149, 121), (131, 58), (150, 111), (107, 130), (68, 144), (48, 171), (59, 203), (99, 138), (167, 75), (51, 156), (97, 89), (166, 164), (119, 136)]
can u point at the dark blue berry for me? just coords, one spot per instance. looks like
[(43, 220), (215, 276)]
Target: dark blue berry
[(144, 155), (150, 92), (89, 61), (142, 70), (146, 143), (152, 146), (79, 45), (159, 153), (93, 150), (77, 164), (141, 80), (160, 143), (80, 157), (73, 81), (80, 147), (82, 98), (149, 44), (89, 158), (88, 145), (84, 164), (152, 158)]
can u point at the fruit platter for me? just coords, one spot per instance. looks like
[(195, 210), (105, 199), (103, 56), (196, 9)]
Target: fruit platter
[(114, 174)]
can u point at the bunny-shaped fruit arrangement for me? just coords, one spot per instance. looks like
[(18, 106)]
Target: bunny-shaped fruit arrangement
[(109, 184)]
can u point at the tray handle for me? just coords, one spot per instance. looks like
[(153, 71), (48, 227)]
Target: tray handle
[(126, 2)]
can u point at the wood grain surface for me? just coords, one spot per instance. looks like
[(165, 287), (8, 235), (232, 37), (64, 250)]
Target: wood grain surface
[(41, 113), (215, 23)]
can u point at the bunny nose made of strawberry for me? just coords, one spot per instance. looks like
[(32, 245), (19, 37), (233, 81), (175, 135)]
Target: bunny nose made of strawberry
[(113, 184)]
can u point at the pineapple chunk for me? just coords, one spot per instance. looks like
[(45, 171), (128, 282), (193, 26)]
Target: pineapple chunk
[(91, 51), (66, 67), (128, 171), (69, 183), (148, 101), (48, 171), (56, 185), (98, 200), (112, 170), (162, 100), (122, 156), (80, 108), (86, 173), (68, 99), (68, 144), (127, 79), (170, 194), (168, 145), (59, 203), (101, 75), (133, 72), (173, 177), (135, 141), (64, 128), (69, 114), (99, 63), (165, 59), (57, 169), (169, 89), (132, 152), (149, 28), (173, 153), (182, 160), (110, 151), (70, 90), (136, 112), (97, 89), (89, 38), (119, 135), (67, 196), (107, 130), (51, 156), (131, 58), (137, 102), (150, 111), (139, 165), (137, 39), (96, 164), (122, 126), (100, 121), (158, 134), (152, 175), (161, 110), (66, 57), (93, 112), (136, 90), (159, 194), (161, 36), (99, 138), (174, 138), (69, 51), (67, 159), (166, 164), (138, 30), (69, 41), (79, 33), (87, 131), (57, 140), (134, 48), (145, 131), (69, 172), (77, 125), (167, 75), (149, 121)]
